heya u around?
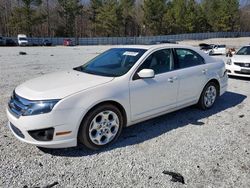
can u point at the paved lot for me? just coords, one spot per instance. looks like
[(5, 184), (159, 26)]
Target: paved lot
[(208, 148)]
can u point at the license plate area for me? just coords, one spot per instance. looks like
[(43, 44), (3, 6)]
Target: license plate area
[(245, 71)]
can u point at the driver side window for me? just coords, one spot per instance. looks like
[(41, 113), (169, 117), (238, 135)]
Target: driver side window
[(160, 61)]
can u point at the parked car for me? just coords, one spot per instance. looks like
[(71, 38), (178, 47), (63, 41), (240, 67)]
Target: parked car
[(1, 41), (47, 43), (22, 40), (10, 42), (218, 50), (239, 64), (206, 48), (68, 42), (163, 42), (120, 87)]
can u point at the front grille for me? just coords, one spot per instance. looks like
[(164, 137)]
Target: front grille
[(17, 105), (243, 72), (16, 131), (243, 64)]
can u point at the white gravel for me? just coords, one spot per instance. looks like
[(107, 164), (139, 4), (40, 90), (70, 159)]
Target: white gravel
[(208, 148)]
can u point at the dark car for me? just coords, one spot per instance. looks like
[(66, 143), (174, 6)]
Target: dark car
[(47, 43), (207, 48), (1, 41), (163, 42), (10, 42)]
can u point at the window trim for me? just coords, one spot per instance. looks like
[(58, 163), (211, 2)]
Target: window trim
[(177, 60), (136, 76)]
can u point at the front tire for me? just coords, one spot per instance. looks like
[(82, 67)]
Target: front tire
[(101, 126), (208, 96)]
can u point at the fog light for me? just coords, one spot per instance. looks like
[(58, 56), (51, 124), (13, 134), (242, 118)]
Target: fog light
[(42, 134)]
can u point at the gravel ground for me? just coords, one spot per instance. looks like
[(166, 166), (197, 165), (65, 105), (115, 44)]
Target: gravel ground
[(208, 148)]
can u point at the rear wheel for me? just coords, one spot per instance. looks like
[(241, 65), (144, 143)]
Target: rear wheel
[(208, 96), (101, 126)]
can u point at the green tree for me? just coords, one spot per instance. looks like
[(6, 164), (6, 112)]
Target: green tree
[(69, 11), (127, 12), (229, 14), (108, 18), (195, 19), (26, 16), (222, 15), (154, 11), (94, 8), (177, 13)]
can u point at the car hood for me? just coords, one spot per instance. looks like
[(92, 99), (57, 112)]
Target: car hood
[(241, 58), (59, 85)]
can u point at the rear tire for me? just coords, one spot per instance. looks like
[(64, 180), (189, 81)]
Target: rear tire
[(208, 96), (101, 126)]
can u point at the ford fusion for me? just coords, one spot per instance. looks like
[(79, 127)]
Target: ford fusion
[(91, 104), (239, 64)]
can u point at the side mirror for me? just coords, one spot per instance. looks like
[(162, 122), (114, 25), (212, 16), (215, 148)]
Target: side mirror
[(146, 73)]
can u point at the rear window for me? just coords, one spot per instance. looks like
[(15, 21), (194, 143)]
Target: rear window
[(221, 46)]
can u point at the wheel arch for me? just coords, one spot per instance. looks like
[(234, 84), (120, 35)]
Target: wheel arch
[(112, 102), (214, 80)]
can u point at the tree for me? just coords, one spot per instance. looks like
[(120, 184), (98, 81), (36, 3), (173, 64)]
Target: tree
[(127, 12), (69, 11), (222, 15), (177, 13), (195, 19), (244, 18), (108, 19), (94, 8), (25, 17), (154, 11), (230, 15)]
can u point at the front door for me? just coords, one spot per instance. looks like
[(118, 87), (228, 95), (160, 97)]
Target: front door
[(154, 95)]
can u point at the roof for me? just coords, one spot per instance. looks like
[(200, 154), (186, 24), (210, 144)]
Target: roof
[(152, 47)]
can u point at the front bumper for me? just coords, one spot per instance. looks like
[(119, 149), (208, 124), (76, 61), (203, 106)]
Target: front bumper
[(21, 126), (234, 70)]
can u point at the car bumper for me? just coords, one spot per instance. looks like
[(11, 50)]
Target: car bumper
[(21, 126), (234, 70)]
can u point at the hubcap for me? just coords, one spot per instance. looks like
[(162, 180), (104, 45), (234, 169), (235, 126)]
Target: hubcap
[(104, 127), (210, 96)]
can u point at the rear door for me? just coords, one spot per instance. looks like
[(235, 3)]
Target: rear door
[(192, 74)]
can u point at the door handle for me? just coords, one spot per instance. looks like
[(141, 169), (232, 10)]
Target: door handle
[(172, 79), (204, 71)]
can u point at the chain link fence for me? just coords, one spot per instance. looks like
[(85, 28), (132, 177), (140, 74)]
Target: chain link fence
[(135, 40)]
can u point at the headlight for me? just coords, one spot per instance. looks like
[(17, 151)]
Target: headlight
[(229, 62), (39, 107)]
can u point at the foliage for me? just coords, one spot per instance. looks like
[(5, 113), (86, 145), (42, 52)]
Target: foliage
[(69, 11), (74, 18), (24, 17)]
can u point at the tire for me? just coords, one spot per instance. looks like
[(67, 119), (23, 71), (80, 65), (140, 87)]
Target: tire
[(101, 126), (208, 96)]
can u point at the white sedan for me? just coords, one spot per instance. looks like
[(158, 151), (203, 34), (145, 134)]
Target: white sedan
[(90, 104), (239, 64)]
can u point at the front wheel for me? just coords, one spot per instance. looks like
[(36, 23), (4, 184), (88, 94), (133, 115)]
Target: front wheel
[(101, 126), (208, 96)]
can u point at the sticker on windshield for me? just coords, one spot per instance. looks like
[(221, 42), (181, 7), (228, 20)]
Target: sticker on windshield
[(130, 53)]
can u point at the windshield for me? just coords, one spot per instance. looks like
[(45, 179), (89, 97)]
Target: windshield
[(22, 38), (244, 51), (114, 62)]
